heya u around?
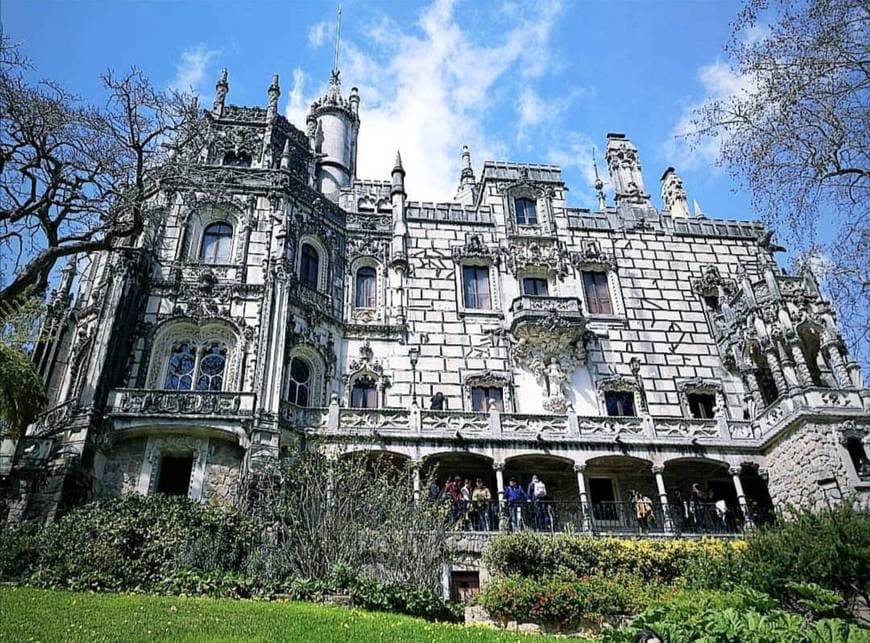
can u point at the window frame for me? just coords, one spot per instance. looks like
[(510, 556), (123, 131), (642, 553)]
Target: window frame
[(605, 283), (201, 351), (371, 298), (623, 393), (526, 201), (465, 292), (487, 389), (370, 385), (226, 240)]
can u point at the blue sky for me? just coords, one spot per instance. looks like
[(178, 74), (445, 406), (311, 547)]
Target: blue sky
[(536, 81)]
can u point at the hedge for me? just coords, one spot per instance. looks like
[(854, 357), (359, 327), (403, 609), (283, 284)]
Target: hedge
[(541, 556)]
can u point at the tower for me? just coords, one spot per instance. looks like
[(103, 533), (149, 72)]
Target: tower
[(674, 194)]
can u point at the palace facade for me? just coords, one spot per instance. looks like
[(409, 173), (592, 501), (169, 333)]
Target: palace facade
[(275, 295)]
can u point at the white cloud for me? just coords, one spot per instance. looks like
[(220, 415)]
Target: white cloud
[(429, 90), (317, 33), (574, 151), (191, 67)]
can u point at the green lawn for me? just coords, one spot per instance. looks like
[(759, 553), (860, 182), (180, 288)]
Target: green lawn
[(40, 615)]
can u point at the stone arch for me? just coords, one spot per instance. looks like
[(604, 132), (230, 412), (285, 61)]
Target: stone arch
[(371, 313), (317, 375), (555, 471), (323, 260), (207, 214)]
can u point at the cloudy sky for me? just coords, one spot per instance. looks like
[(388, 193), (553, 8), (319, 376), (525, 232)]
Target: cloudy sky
[(540, 82)]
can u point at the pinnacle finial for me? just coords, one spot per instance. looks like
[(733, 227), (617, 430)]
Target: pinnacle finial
[(467, 175), (398, 165), (221, 89), (274, 85), (285, 155), (337, 42), (599, 184)]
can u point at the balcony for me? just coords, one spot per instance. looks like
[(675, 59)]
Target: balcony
[(146, 402), (533, 317)]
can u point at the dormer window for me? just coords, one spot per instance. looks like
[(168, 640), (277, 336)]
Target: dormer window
[(536, 287), (217, 241), (526, 211)]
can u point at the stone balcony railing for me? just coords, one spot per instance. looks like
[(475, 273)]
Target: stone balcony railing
[(136, 402), (334, 420), (530, 309), (809, 402)]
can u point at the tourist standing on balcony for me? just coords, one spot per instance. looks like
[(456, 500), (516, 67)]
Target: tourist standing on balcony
[(537, 492), (434, 490), (515, 498), (452, 494), (697, 502), (643, 509), (466, 492), (481, 498)]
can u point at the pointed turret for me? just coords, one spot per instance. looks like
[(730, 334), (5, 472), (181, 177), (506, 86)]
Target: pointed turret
[(398, 176), (221, 89), (623, 163), (333, 126), (274, 92), (674, 195), (467, 181), (285, 155)]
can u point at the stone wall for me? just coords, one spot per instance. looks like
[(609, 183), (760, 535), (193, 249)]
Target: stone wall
[(222, 472), (121, 468), (808, 455)]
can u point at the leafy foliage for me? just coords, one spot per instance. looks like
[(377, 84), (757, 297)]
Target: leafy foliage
[(534, 555), (22, 394)]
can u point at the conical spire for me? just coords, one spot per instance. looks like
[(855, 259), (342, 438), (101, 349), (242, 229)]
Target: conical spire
[(467, 176), (274, 92), (221, 89), (398, 175), (285, 155)]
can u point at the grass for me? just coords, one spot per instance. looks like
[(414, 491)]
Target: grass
[(40, 615)]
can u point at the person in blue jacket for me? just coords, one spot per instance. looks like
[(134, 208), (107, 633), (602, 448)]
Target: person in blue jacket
[(515, 498)]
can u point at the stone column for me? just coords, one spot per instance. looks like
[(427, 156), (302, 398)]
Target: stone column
[(658, 470), (800, 361), (499, 485), (741, 497), (854, 375), (775, 369), (415, 479), (585, 507), (838, 364), (750, 380), (792, 378)]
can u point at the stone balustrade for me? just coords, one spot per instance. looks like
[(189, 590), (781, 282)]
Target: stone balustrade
[(133, 402)]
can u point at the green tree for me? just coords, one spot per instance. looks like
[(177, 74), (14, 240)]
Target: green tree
[(22, 394)]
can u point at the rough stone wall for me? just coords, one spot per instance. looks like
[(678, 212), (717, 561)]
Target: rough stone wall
[(222, 472), (808, 454), (122, 468)]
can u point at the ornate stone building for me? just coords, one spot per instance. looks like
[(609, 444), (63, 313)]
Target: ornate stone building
[(277, 295)]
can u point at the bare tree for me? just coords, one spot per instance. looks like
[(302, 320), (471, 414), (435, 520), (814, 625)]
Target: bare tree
[(324, 511), (798, 134), (75, 178)]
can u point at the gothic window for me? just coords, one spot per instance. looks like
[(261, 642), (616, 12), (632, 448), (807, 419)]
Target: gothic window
[(299, 382), (536, 286), (207, 364), (619, 403), (597, 293), (475, 287), (366, 292), (364, 394), (217, 241), (179, 375), (211, 368), (174, 476), (702, 406), (309, 266), (526, 211), (481, 395), (712, 302)]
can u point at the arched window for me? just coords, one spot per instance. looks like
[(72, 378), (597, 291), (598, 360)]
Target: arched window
[(299, 382), (211, 368), (182, 361), (366, 294), (309, 266), (364, 395), (527, 213), (217, 241)]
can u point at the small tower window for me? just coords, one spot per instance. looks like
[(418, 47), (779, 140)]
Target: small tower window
[(217, 241), (366, 294), (597, 293), (481, 395), (364, 395), (536, 286), (299, 382), (309, 266), (702, 406), (527, 213), (174, 477), (475, 282), (619, 403)]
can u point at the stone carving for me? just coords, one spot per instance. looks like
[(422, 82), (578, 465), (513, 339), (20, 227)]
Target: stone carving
[(475, 248), (526, 254), (591, 256), (535, 424), (147, 402), (452, 421), (375, 419), (711, 281)]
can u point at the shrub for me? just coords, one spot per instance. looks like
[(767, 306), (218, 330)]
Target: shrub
[(563, 604), (694, 616), (134, 542), (18, 550), (533, 555), (829, 548)]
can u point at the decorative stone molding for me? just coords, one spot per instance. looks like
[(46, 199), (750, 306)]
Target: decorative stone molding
[(476, 250), (702, 386), (712, 282), (530, 254), (618, 383), (592, 257), (497, 379), (365, 366)]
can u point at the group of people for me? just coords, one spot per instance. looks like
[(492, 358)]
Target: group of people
[(472, 506), (702, 512)]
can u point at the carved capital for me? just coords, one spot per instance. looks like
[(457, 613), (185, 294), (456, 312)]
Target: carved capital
[(658, 469), (734, 470), (580, 468), (498, 466)]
